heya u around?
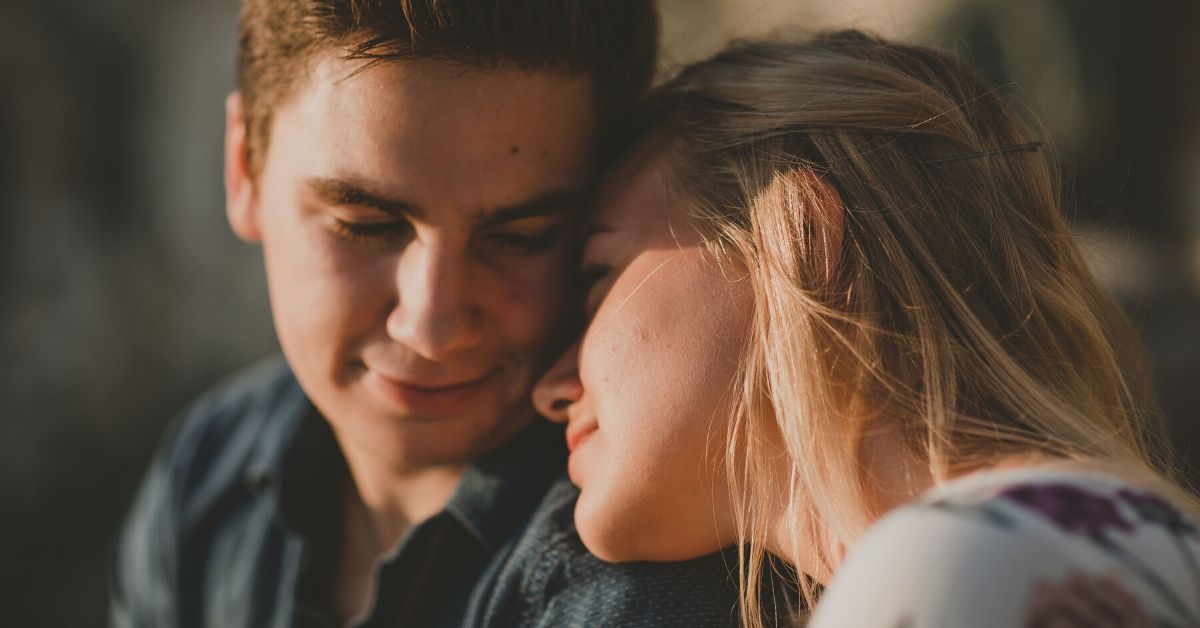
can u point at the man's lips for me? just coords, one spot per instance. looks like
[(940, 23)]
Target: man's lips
[(577, 431), (426, 394), (432, 387)]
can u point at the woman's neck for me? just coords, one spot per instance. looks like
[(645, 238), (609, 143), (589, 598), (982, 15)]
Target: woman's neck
[(892, 476)]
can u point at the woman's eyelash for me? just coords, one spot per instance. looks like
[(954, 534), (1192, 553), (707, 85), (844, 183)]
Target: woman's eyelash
[(591, 274)]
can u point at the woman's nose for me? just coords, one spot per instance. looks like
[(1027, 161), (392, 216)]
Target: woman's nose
[(559, 387)]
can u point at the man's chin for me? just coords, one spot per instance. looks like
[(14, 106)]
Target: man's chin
[(414, 441)]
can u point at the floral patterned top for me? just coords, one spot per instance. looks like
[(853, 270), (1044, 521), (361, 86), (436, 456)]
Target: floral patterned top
[(1028, 548)]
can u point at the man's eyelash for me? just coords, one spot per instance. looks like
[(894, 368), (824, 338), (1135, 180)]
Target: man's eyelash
[(371, 232), (385, 233), (525, 244)]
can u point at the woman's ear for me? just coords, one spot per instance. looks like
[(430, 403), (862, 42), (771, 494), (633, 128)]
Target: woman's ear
[(241, 199), (806, 224), (830, 213)]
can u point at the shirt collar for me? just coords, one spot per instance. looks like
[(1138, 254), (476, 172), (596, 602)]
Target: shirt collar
[(496, 493)]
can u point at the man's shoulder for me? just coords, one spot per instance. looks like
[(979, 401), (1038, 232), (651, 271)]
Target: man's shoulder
[(222, 443), (548, 578), (229, 424), (199, 475), (242, 400), (222, 439)]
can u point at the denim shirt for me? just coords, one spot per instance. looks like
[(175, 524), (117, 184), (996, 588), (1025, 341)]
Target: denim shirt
[(236, 525)]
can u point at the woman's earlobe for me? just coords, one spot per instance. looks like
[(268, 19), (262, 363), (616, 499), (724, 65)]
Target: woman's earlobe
[(241, 199)]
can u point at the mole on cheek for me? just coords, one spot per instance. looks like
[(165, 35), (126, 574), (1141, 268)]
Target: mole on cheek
[(514, 150)]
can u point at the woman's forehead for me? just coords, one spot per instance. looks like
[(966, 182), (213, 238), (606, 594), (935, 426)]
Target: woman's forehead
[(635, 194)]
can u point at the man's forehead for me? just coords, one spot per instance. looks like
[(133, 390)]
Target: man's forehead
[(527, 113), (489, 147), (333, 69)]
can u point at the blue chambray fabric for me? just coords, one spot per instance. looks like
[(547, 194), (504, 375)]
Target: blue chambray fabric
[(214, 537)]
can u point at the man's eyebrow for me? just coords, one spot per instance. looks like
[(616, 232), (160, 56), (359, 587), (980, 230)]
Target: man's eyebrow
[(353, 192), (546, 204)]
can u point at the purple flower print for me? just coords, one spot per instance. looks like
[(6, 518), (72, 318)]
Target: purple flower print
[(1094, 516), (1156, 510), (1073, 509)]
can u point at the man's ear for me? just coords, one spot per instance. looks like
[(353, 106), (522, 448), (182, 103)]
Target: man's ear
[(241, 200)]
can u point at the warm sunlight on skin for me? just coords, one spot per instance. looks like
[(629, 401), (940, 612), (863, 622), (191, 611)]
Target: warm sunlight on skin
[(645, 392), (646, 409)]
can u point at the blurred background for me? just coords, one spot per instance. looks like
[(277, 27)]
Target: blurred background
[(124, 294)]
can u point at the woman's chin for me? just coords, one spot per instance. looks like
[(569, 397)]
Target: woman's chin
[(606, 541), (623, 541)]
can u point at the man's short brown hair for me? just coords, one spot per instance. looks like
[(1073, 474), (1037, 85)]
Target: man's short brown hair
[(613, 41)]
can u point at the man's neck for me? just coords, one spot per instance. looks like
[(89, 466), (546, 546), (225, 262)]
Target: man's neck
[(379, 505), (390, 501)]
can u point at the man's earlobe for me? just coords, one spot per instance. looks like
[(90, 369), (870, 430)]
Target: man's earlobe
[(241, 199)]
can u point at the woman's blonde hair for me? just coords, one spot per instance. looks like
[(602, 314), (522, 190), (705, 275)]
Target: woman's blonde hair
[(902, 232)]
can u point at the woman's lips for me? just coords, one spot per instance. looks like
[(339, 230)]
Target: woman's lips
[(578, 431), (424, 395)]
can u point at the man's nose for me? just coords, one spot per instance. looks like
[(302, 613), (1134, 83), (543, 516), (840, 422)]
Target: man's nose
[(436, 314), (559, 387)]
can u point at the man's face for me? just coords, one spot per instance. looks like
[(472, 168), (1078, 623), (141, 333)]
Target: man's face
[(414, 218)]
